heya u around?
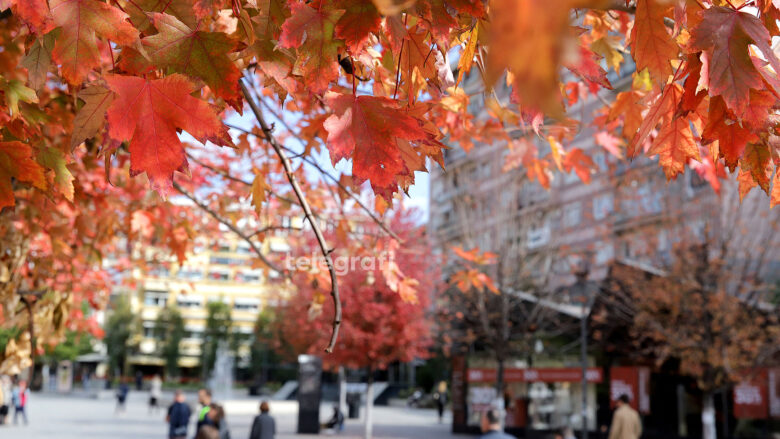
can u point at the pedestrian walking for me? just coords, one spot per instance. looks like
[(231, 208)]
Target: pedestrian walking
[(178, 417), (625, 421), (121, 396), (155, 393), (491, 426), (440, 396), (5, 396), (20, 395), (264, 425)]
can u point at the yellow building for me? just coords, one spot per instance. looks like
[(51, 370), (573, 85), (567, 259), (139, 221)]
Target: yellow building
[(216, 270)]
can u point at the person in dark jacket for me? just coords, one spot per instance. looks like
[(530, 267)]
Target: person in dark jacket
[(204, 398), (264, 426), (178, 417)]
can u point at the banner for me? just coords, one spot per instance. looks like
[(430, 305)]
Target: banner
[(633, 381), (544, 375), (750, 397), (458, 390)]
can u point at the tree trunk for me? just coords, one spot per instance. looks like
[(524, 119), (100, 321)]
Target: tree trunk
[(500, 378), (369, 404), (708, 416)]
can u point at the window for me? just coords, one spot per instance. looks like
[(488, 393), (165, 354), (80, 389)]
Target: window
[(246, 304), (189, 301), (243, 248), (219, 275), (189, 274), (602, 206), (155, 298), (572, 214), (249, 276)]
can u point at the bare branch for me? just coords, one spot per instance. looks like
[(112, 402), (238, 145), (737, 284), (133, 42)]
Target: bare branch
[(334, 289), (230, 226)]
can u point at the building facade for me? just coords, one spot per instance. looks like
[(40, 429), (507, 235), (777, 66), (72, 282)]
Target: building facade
[(222, 269)]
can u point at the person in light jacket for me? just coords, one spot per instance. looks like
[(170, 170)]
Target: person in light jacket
[(625, 421), (264, 426)]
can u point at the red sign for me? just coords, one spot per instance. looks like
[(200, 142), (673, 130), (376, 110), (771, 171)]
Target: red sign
[(750, 397), (633, 381), (546, 375)]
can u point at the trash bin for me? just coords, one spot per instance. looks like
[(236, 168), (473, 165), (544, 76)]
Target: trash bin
[(353, 402)]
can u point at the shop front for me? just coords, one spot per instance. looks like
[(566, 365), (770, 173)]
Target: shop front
[(534, 399)]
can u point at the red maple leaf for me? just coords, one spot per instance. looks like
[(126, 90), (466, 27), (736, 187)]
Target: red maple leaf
[(311, 31), (366, 129), (82, 21), (148, 113), (726, 35)]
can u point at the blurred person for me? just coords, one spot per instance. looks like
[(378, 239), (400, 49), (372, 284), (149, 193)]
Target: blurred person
[(264, 425), (207, 432), (337, 420), (20, 395), (178, 417), (440, 396), (625, 421), (568, 433), (5, 396), (204, 398), (139, 380), (121, 396), (491, 426), (217, 415), (155, 393)]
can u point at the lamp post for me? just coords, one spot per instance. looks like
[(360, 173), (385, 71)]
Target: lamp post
[(585, 291)]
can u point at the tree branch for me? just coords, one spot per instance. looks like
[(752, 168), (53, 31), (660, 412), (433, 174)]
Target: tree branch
[(323, 172), (334, 288), (230, 226)]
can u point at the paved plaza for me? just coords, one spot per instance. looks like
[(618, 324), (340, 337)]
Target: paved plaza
[(78, 417)]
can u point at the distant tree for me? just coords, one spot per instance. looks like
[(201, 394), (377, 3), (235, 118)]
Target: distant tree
[(386, 295), (169, 331), (497, 277), (75, 344), (262, 353), (119, 329), (218, 330), (709, 307)]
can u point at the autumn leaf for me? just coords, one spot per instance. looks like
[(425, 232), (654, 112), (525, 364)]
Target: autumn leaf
[(663, 105), (576, 159), (15, 91), (82, 21), (358, 129), (651, 44), (92, 115), (528, 38), (359, 21), (467, 56), (195, 53), (54, 159), (311, 31), (757, 162), (17, 162), (38, 60), (139, 10), (588, 68), (674, 145), (475, 255), (148, 114), (732, 137), (774, 199), (259, 189), (726, 34)]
